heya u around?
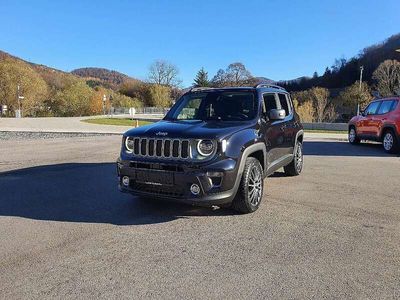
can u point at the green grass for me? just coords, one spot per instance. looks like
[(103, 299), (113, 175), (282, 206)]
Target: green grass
[(326, 131), (115, 121)]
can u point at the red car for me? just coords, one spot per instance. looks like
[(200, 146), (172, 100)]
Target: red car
[(380, 121)]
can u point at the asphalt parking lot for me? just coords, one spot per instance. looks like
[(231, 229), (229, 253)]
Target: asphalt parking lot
[(66, 232)]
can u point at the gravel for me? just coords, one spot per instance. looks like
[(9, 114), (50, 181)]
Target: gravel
[(23, 135)]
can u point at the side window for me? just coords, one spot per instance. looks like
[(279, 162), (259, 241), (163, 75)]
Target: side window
[(372, 108), (385, 107), (395, 102), (270, 102), (284, 103)]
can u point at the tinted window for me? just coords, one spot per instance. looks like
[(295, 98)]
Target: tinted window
[(372, 108), (395, 102), (284, 103), (385, 107), (225, 106), (270, 102)]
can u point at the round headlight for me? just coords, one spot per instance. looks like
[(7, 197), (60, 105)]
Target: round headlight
[(205, 147), (129, 144)]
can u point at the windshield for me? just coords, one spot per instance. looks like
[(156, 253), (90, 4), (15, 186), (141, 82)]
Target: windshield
[(224, 106)]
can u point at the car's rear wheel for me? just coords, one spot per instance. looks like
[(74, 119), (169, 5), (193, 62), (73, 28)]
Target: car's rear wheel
[(353, 139), (390, 142), (296, 166), (250, 192)]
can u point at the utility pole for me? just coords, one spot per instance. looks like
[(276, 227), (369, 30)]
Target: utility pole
[(358, 104), (19, 98)]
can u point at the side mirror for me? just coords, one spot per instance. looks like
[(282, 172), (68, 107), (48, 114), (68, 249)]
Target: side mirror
[(276, 114)]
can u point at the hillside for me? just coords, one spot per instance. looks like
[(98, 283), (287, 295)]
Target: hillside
[(345, 72), (109, 78)]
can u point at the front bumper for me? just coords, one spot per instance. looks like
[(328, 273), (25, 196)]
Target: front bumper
[(216, 181)]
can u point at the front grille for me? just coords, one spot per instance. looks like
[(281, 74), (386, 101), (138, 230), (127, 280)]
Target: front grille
[(162, 148)]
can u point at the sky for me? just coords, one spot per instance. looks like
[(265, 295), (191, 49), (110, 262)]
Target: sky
[(275, 39)]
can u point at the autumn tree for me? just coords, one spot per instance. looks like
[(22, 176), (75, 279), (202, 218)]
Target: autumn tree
[(219, 80), (74, 100), (387, 76), (353, 95), (33, 88), (201, 78), (160, 96), (305, 110), (320, 100), (164, 73)]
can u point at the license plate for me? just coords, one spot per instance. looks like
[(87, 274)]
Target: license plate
[(155, 177)]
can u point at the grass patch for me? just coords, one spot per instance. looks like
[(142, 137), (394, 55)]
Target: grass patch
[(115, 121), (326, 131)]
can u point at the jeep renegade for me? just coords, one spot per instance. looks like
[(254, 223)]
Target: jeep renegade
[(380, 121), (214, 147)]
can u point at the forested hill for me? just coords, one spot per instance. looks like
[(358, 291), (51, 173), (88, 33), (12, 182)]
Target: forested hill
[(345, 72), (104, 75)]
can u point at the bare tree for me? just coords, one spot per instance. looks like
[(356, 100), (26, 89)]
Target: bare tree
[(237, 74), (320, 100), (387, 76), (164, 73)]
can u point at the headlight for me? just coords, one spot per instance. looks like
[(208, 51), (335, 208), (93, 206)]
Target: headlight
[(129, 144), (205, 147)]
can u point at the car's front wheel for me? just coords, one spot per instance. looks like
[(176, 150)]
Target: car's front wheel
[(353, 139), (390, 142), (250, 192)]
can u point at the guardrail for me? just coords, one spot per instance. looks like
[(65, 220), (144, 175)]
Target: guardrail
[(326, 126)]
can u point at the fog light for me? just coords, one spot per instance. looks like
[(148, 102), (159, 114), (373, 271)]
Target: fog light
[(125, 181), (195, 189)]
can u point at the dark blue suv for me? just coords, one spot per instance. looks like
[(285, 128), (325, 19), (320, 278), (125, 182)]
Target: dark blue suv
[(214, 147)]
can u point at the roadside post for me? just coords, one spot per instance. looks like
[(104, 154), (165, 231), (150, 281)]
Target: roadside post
[(104, 104), (4, 110), (132, 112)]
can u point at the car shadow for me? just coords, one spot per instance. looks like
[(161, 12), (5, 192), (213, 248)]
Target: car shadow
[(330, 148), (83, 192)]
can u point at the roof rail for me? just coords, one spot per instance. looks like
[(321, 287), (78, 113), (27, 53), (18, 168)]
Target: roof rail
[(267, 85), (200, 88)]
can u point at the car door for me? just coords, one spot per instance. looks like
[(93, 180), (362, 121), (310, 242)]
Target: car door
[(272, 133), (288, 124), (365, 124)]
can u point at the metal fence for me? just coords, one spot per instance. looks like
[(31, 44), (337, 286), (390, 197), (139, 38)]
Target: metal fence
[(141, 110)]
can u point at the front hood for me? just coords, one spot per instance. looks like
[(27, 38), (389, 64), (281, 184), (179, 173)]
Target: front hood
[(189, 129)]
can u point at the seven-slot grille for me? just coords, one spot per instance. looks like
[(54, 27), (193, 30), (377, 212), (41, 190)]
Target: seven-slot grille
[(163, 148)]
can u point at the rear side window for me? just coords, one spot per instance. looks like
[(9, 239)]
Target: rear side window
[(284, 103), (372, 108), (385, 107), (270, 102)]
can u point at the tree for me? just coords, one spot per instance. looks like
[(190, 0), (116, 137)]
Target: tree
[(201, 78), (315, 75), (352, 95), (74, 100), (305, 110), (160, 96), (164, 73), (387, 76), (320, 101), (219, 80), (32, 87), (237, 74)]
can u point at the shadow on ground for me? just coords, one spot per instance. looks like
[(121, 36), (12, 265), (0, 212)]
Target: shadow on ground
[(80, 192), (345, 149)]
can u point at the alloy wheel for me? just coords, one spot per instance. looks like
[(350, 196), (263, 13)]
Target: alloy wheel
[(352, 135), (388, 141), (255, 186), (299, 159)]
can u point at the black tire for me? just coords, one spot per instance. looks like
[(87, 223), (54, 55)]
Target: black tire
[(390, 142), (352, 136), (250, 192), (296, 166)]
